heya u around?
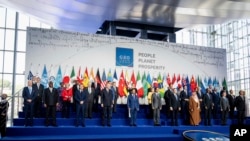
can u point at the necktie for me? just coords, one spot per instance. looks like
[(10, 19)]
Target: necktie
[(30, 90)]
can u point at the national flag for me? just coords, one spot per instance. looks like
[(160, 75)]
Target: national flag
[(183, 81), (58, 79), (109, 77), (174, 81), (44, 78), (85, 80), (210, 81), (169, 81), (164, 81), (224, 83), (72, 74), (179, 83), (127, 83), (149, 80), (79, 75), (30, 76), (145, 85), (98, 77), (115, 76), (133, 80), (216, 83), (205, 82), (160, 86), (104, 79), (201, 85), (155, 83), (193, 84), (188, 85), (121, 85), (92, 76), (139, 85)]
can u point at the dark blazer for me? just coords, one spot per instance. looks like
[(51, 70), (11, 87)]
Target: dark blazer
[(183, 96), (231, 100), (89, 96), (97, 89), (80, 96), (39, 90), (156, 101), (133, 102), (224, 104), (216, 98), (116, 92), (51, 100), (173, 102), (107, 97), (208, 101), (240, 103), (26, 95)]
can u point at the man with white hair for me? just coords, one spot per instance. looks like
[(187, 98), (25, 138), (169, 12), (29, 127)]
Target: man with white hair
[(89, 91)]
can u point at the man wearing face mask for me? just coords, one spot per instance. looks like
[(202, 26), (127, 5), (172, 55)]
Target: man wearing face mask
[(4, 105)]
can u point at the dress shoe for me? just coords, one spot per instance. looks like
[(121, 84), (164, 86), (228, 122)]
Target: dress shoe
[(134, 125), (55, 125), (109, 125), (83, 125)]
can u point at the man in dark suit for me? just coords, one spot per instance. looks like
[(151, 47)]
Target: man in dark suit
[(208, 106), (75, 87), (184, 105), (29, 95), (216, 101), (39, 88), (133, 106), (80, 98), (97, 87), (89, 92), (51, 98), (231, 99), (166, 98), (114, 88), (107, 103), (225, 107), (156, 106), (240, 104), (175, 107)]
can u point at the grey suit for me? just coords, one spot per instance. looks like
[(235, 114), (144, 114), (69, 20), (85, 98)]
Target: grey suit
[(224, 104), (156, 106)]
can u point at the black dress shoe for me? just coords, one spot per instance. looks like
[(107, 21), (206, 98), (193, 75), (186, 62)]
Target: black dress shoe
[(109, 125), (77, 125), (83, 125), (134, 125), (130, 124), (55, 125), (103, 125)]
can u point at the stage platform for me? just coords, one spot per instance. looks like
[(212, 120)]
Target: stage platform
[(120, 129)]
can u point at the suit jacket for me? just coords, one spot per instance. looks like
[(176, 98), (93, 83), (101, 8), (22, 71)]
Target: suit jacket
[(27, 95), (240, 103), (156, 101), (224, 104), (51, 98), (183, 96), (133, 101), (80, 96), (115, 92), (208, 101), (107, 97), (216, 98), (39, 90), (173, 102), (89, 96), (97, 89), (231, 100)]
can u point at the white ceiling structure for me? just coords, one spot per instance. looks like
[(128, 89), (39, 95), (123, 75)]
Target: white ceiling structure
[(88, 15)]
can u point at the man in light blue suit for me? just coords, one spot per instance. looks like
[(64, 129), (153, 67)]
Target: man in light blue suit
[(133, 106)]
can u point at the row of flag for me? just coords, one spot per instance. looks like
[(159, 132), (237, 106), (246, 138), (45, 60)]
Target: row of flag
[(141, 81)]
